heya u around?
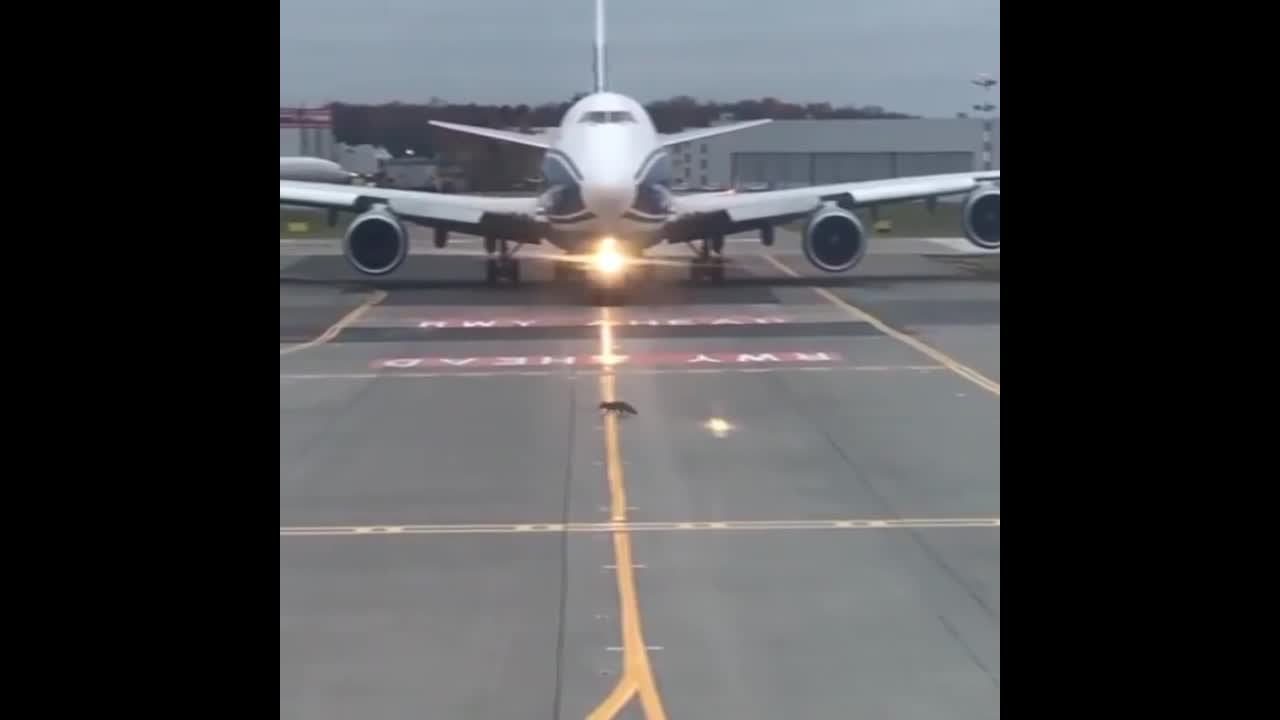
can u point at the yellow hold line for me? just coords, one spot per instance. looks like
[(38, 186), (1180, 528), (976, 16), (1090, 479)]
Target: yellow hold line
[(861, 315), (347, 320)]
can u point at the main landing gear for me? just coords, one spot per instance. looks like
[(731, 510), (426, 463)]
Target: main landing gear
[(709, 263), (502, 268)]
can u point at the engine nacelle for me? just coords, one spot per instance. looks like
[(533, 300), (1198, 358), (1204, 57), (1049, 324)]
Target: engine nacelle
[(981, 215), (834, 240), (376, 242)]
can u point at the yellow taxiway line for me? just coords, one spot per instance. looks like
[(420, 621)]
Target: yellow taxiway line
[(346, 321), (940, 357), (637, 674)]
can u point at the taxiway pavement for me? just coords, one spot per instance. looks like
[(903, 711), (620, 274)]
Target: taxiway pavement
[(809, 505)]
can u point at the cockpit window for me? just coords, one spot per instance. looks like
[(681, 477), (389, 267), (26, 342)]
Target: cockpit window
[(600, 117)]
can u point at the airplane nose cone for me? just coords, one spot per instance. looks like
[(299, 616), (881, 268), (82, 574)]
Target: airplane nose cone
[(609, 200)]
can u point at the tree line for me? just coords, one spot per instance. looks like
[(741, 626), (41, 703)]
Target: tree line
[(400, 127)]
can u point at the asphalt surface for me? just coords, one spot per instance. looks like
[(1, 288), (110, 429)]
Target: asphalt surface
[(812, 504)]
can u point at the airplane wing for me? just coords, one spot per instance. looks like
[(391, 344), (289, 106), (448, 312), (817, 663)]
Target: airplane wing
[(685, 136), (784, 205), (842, 245), (536, 141), (510, 217)]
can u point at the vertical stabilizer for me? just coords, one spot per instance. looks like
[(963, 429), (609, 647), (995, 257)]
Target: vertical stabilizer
[(599, 47)]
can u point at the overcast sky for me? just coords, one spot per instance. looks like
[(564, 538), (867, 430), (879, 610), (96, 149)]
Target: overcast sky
[(914, 56)]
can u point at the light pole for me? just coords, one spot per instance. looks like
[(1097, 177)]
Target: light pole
[(986, 82)]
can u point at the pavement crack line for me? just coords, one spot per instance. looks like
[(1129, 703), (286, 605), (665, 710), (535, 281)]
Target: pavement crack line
[(920, 542), (331, 421), (637, 677), (861, 315), (304, 454), (977, 378), (973, 656)]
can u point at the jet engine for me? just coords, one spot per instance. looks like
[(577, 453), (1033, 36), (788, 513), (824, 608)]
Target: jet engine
[(834, 240), (982, 217), (376, 242)]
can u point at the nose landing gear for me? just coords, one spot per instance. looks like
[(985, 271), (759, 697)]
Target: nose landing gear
[(502, 268)]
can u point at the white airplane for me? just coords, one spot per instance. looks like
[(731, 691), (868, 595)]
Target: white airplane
[(609, 198), (313, 169)]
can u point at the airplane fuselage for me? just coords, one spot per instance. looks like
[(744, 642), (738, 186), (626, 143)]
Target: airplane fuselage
[(607, 175)]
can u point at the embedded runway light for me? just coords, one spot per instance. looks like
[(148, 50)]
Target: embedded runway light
[(718, 427)]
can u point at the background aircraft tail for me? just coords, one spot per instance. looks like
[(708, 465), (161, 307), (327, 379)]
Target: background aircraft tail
[(599, 64)]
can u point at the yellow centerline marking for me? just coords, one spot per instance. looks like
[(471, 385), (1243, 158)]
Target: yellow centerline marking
[(613, 456), (637, 674), (642, 526), (942, 358), (348, 319)]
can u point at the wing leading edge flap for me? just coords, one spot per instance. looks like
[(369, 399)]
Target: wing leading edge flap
[(745, 207), (756, 206), (422, 206), (428, 208), (925, 186), (772, 208)]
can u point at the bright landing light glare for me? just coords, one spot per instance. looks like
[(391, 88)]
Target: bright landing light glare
[(607, 258)]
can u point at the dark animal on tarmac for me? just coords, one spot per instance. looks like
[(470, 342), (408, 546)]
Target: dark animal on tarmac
[(618, 407)]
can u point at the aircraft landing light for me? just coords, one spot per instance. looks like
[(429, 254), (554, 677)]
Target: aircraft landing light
[(607, 258)]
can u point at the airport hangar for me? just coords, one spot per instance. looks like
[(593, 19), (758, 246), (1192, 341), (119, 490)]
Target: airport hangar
[(791, 153)]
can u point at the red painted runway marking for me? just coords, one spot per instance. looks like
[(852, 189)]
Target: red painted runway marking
[(503, 322), (642, 359)]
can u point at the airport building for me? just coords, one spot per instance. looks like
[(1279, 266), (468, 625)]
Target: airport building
[(307, 132), (791, 153), (368, 160)]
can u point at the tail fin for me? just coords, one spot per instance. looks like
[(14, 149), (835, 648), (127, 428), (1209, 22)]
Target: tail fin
[(599, 47)]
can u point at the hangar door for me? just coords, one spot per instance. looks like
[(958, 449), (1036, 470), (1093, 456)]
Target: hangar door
[(795, 169), (935, 163), (851, 167), (777, 169)]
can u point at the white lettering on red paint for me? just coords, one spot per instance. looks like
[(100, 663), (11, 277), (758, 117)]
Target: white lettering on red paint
[(610, 359), (401, 362)]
